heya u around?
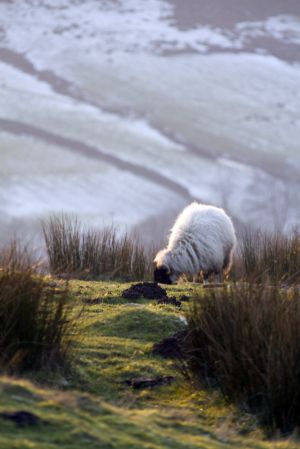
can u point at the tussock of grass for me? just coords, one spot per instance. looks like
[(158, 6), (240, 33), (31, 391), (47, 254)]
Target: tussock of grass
[(18, 257), (92, 254), (245, 340), (35, 317), (35, 323)]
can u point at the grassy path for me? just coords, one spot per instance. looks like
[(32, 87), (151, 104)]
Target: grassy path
[(93, 408)]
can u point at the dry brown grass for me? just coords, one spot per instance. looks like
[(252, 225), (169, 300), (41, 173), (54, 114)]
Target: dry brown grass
[(36, 318), (16, 256), (92, 254), (265, 256)]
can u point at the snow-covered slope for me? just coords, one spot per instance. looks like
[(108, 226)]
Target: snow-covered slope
[(115, 111)]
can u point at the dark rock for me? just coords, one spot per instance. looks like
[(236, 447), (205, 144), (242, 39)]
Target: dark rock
[(146, 382), (169, 300), (148, 290), (171, 347), (184, 298), (22, 418)]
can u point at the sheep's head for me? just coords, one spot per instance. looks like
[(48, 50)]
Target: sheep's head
[(162, 275), (162, 272)]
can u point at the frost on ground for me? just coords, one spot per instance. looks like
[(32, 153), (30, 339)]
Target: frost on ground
[(130, 115)]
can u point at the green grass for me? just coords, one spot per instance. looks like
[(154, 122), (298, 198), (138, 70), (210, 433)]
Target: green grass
[(92, 408)]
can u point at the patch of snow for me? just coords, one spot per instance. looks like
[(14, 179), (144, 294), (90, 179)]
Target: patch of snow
[(285, 28), (44, 29), (37, 179), (18, 89), (140, 127), (35, 28)]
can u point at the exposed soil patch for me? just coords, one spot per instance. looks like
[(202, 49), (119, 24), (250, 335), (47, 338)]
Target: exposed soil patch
[(22, 418), (226, 13), (147, 382), (169, 300), (171, 347), (148, 290)]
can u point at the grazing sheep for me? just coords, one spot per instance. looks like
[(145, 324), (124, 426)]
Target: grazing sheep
[(202, 240)]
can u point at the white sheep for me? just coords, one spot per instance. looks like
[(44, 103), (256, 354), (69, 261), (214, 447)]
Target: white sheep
[(201, 240)]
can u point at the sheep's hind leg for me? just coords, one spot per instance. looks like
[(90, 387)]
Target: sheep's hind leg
[(219, 279), (227, 264)]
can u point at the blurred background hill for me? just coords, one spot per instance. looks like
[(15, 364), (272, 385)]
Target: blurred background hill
[(124, 111)]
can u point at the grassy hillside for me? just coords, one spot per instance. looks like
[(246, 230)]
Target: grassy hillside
[(91, 407)]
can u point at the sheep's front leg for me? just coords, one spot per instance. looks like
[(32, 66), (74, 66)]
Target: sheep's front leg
[(206, 276)]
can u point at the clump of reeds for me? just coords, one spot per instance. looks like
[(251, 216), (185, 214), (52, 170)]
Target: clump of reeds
[(265, 256), (37, 323), (16, 256), (92, 254), (245, 341)]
